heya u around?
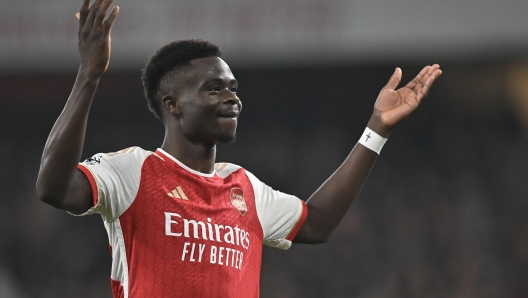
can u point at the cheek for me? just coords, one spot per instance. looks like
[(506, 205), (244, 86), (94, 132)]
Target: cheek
[(197, 108), (199, 117)]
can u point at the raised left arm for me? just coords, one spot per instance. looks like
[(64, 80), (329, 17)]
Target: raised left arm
[(329, 204)]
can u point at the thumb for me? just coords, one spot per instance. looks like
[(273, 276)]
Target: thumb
[(78, 16), (394, 81)]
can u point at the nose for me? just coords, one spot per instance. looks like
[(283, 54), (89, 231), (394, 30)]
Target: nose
[(233, 99)]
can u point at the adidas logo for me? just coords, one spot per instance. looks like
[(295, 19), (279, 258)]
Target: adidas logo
[(178, 194)]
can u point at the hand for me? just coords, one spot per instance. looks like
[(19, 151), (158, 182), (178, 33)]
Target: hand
[(94, 36), (392, 106)]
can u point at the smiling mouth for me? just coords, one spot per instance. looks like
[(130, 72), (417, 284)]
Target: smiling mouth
[(232, 114)]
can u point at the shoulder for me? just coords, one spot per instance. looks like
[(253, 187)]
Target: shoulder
[(122, 158), (127, 153), (131, 152), (224, 169)]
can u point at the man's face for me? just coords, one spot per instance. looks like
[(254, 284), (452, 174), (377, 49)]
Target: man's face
[(207, 99)]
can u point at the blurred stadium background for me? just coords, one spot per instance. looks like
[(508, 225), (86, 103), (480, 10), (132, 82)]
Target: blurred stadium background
[(444, 213)]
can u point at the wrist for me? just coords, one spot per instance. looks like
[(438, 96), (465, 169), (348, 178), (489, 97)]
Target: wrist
[(372, 140), (87, 76), (378, 126)]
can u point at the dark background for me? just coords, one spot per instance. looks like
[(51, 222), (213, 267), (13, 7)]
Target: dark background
[(443, 213)]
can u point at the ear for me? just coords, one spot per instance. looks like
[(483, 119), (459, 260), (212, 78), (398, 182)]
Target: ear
[(170, 104)]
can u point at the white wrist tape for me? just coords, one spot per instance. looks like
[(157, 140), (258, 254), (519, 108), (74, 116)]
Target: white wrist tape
[(372, 140)]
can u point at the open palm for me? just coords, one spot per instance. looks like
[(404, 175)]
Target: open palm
[(393, 105)]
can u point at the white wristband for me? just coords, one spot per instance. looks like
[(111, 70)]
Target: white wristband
[(372, 140)]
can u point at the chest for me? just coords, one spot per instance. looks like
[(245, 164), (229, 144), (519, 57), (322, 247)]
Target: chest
[(187, 206)]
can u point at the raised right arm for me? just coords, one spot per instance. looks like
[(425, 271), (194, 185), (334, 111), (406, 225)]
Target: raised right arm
[(59, 183)]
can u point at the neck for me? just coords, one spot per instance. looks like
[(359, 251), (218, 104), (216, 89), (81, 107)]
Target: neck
[(197, 156)]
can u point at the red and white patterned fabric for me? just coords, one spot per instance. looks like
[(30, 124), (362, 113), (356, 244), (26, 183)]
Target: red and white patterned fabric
[(176, 232)]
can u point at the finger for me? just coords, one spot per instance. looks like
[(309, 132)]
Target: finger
[(107, 27), (91, 14), (419, 79), (395, 79), (83, 12), (433, 73), (430, 73), (428, 84), (101, 13)]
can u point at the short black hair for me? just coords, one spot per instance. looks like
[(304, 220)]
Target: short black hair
[(167, 59)]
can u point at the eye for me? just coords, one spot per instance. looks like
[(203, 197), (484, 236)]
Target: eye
[(214, 88), (234, 89)]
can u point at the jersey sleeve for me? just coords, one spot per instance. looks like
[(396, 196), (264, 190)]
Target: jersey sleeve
[(114, 179), (281, 215)]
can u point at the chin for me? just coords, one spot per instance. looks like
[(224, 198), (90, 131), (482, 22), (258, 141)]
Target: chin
[(227, 138)]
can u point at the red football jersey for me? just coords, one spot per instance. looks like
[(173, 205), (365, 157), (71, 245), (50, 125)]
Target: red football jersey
[(176, 232)]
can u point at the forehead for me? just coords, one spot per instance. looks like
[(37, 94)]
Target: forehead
[(203, 69)]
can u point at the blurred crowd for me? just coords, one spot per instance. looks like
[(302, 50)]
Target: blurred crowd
[(443, 213)]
